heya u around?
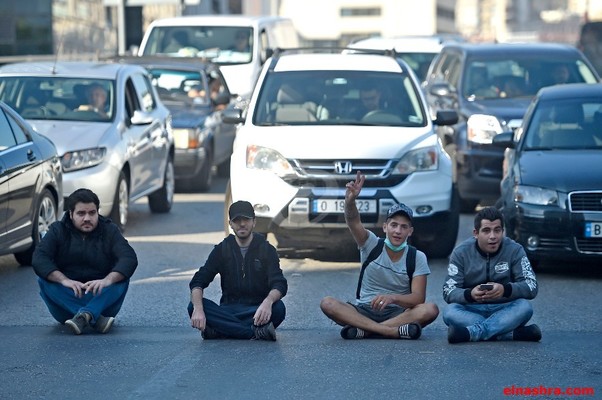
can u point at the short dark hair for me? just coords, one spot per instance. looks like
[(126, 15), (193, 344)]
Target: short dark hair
[(490, 214), (82, 195)]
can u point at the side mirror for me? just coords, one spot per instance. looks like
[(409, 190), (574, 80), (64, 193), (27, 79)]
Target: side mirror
[(446, 117), (504, 140), (442, 90), (232, 116), (141, 118)]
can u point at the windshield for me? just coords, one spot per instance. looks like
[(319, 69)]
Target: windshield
[(568, 124), (54, 98), (339, 98), (521, 76), (220, 44)]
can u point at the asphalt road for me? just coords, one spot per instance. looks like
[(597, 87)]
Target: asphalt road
[(153, 353)]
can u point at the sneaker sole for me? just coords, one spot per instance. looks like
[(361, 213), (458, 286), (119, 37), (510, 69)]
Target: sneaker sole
[(73, 326), (107, 327)]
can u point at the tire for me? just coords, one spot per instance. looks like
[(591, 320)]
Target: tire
[(45, 215), (121, 203), (223, 169), (445, 237), (227, 203), (161, 201), (202, 181)]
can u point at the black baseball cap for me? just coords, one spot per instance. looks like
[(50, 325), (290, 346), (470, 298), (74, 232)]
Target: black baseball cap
[(400, 209), (241, 208)]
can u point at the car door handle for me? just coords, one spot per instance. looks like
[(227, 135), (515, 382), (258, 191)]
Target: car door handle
[(31, 156)]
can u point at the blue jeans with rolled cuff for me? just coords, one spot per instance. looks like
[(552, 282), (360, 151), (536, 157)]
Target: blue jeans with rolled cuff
[(489, 321), (63, 304), (236, 320)]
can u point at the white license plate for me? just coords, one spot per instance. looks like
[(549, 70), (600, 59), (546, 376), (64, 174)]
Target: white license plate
[(593, 229), (331, 206)]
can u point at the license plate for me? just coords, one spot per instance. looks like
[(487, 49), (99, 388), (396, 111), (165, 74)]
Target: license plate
[(593, 229), (333, 206)]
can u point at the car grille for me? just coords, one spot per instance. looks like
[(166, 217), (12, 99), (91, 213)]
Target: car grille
[(592, 245), (585, 201), (337, 173)]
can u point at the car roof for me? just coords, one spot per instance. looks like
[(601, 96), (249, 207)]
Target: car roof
[(180, 63), (569, 91), (215, 20), (81, 69), (344, 62), (422, 44), (486, 49)]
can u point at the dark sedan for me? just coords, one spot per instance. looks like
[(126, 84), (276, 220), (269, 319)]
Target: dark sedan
[(31, 186), (551, 192), (195, 92)]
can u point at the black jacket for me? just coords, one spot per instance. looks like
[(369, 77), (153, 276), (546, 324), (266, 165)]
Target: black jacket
[(84, 257), (245, 281)]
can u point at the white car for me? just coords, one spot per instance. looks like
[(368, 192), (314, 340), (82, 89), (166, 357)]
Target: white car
[(305, 135), (121, 148)]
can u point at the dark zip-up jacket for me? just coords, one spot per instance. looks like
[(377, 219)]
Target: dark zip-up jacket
[(469, 266), (243, 281), (84, 257)]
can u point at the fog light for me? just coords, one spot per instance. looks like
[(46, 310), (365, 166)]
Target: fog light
[(533, 242), (421, 210), (261, 208)]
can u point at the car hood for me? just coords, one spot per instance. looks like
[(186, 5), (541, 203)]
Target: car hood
[(72, 135), (562, 170), (501, 108), (343, 141)]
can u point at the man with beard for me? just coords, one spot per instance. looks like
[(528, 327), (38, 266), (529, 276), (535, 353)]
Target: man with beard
[(488, 286), (84, 265), (252, 284), (392, 284)]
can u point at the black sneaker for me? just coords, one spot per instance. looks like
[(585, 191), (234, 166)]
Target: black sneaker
[(78, 323), (351, 332), (103, 324), (410, 331), (265, 332), (529, 333), (209, 333), (458, 334)]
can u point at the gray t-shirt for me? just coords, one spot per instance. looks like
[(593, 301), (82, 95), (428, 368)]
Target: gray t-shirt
[(383, 276)]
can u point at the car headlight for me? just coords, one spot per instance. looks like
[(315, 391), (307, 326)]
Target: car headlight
[(482, 128), (80, 159), (267, 159), (187, 138), (424, 159), (535, 195)]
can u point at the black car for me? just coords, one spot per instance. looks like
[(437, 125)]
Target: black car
[(31, 186), (551, 193), (491, 86), (195, 92)]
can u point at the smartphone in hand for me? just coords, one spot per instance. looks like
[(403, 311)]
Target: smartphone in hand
[(486, 286)]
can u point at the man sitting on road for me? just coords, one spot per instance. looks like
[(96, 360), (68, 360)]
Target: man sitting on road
[(252, 284), (488, 285), (84, 265), (391, 297)]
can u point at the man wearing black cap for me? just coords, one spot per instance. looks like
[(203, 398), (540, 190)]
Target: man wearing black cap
[(251, 280), (390, 296)]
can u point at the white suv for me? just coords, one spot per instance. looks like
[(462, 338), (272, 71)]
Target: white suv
[(309, 129)]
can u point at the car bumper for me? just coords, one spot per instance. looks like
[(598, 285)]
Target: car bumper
[(553, 233), (479, 172), (188, 162), (101, 179)]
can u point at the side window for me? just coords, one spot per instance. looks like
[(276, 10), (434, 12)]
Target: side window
[(264, 43), (453, 70), (7, 138), (144, 92), (18, 131), (441, 67), (131, 100)]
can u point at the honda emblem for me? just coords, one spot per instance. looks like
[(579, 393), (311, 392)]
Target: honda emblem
[(342, 167)]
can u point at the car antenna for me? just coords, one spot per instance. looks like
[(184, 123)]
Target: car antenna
[(58, 52)]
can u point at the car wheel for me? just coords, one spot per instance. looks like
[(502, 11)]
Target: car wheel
[(444, 240), (162, 200), (227, 203), (121, 202), (223, 169), (46, 214)]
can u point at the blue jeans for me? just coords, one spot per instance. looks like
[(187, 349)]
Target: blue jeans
[(63, 304), (486, 321), (236, 320)]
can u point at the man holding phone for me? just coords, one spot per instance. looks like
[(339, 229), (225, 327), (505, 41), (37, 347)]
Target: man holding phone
[(488, 285)]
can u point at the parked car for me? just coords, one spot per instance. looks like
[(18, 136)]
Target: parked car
[(417, 51), (31, 186), (238, 44), (195, 93), (491, 86), (313, 122), (552, 188), (112, 132)]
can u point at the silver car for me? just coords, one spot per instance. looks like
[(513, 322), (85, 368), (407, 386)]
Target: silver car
[(111, 131)]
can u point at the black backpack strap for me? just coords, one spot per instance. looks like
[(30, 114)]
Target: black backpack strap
[(411, 263), (371, 257)]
